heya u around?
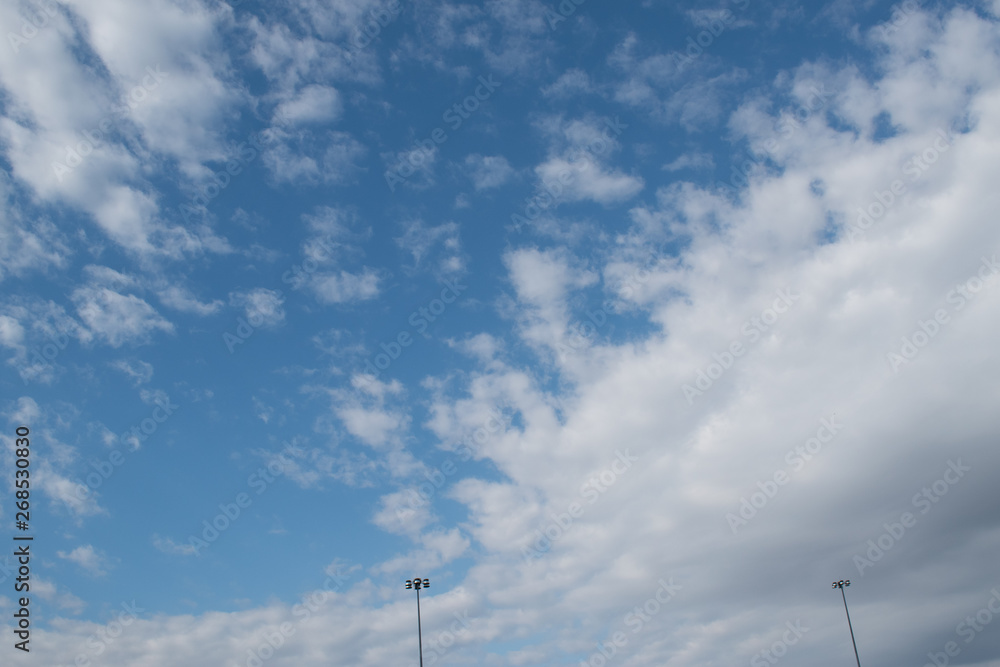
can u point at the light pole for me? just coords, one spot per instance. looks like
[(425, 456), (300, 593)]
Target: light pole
[(843, 583), (417, 584)]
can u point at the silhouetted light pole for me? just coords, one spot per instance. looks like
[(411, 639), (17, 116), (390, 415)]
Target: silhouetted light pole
[(417, 584), (841, 585)]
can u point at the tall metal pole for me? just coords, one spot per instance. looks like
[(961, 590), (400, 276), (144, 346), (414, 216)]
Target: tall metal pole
[(420, 637), (417, 584), (841, 585)]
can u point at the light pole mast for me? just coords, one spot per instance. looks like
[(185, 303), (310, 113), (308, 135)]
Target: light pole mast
[(417, 584), (843, 583)]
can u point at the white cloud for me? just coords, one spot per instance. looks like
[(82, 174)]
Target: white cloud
[(307, 467), (138, 371), (823, 358), (439, 246), (501, 514), (63, 492), (38, 332), (375, 388), (154, 396), (573, 81), (290, 54), (330, 222), (586, 179), (88, 558), (48, 590), (483, 346), (690, 161), (261, 306), (335, 235), (340, 20), (441, 547), (155, 90), (826, 355), (488, 171), (543, 281), (326, 157), (413, 168), (118, 318), (404, 512), (662, 85), (26, 411), (523, 28), (717, 20), (312, 104), (27, 243), (169, 51), (354, 609), (543, 278), (373, 426), (576, 169), (345, 287), (105, 276), (180, 298), (264, 412), (11, 332), (334, 241), (168, 546)]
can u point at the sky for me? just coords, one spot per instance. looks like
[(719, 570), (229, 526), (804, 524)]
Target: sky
[(630, 327)]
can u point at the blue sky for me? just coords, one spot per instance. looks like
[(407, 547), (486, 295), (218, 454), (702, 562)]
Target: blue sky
[(631, 327)]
